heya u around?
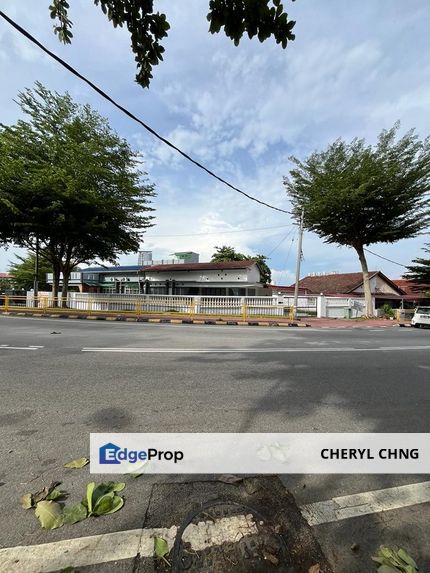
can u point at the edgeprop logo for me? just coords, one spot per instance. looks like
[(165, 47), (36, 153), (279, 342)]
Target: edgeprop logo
[(112, 454)]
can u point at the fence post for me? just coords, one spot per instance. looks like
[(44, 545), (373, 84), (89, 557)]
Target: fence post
[(138, 307), (244, 310), (6, 302), (90, 306)]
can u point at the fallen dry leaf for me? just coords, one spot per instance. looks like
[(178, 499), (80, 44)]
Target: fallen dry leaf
[(315, 568)]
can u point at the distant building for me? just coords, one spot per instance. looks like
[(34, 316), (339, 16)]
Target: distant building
[(174, 277)]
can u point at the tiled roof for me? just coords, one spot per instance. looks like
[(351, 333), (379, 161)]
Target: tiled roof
[(410, 287), (5, 276), (341, 283), (333, 283), (286, 289), (201, 266)]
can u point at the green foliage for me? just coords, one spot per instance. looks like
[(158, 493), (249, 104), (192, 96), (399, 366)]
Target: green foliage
[(161, 549), (262, 18), (22, 271), (354, 195), (420, 272), (102, 499), (50, 514), (69, 180), (226, 253), (394, 561), (387, 310)]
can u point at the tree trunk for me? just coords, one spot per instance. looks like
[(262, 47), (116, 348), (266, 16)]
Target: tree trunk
[(366, 283), (55, 285), (65, 288)]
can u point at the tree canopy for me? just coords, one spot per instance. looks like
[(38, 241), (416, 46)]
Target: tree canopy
[(261, 18), (354, 194), (70, 182), (419, 273), (22, 271), (227, 253)]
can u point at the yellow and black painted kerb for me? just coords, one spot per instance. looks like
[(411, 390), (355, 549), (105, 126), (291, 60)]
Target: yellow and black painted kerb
[(163, 320)]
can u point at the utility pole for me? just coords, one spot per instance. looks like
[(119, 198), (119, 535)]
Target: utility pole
[(36, 275), (298, 263)]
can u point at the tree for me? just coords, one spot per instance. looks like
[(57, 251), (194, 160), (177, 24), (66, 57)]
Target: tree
[(261, 18), (22, 271), (226, 253), (354, 194), (420, 272), (70, 182)]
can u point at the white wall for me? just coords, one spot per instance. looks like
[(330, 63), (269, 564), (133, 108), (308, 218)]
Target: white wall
[(250, 275)]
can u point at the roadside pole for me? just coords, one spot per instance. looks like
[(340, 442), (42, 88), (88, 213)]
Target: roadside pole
[(36, 275), (298, 264)]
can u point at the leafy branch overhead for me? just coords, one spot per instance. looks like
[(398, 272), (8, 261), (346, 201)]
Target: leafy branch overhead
[(261, 18)]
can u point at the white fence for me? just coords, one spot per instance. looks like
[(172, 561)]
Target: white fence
[(222, 305)]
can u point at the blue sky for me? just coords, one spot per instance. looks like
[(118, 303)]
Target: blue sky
[(354, 69)]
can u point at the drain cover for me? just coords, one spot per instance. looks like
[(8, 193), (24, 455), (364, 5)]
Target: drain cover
[(225, 536)]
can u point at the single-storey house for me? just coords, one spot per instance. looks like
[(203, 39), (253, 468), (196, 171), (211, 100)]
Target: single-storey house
[(396, 293), (230, 278)]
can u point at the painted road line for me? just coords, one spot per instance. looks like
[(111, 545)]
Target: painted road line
[(97, 549), (248, 350), (356, 505), (7, 347)]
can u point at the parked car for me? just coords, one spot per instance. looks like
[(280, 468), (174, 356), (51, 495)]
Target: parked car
[(421, 317)]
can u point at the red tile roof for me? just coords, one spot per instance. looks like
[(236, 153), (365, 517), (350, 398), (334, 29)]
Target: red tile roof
[(286, 289), (341, 283), (201, 266), (5, 276), (410, 287)]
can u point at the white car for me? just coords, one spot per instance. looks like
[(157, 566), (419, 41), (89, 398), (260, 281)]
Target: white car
[(421, 317)]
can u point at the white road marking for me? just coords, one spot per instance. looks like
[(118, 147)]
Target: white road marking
[(345, 507), (247, 350), (96, 549), (7, 347)]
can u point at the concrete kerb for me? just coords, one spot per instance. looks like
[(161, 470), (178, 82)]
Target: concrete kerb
[(161, 320), (218, 321)]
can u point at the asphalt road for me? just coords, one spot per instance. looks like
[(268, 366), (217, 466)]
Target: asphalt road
[(277, 380)]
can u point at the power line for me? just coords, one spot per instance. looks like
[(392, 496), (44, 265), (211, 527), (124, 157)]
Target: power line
[(280, 242), (385, 259), (72, 70), (217, 232)]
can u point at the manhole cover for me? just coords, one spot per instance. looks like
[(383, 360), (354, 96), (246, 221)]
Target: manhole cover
[(226, 536)]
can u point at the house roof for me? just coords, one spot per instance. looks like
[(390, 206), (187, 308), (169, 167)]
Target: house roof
[(201, 266), (287, 289), (409, 287), (341, 283), (118, 269), (5, 276)]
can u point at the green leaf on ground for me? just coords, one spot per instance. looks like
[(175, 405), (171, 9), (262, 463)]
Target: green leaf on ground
[(77, 464), (89, 498), (108, 503), (67, 570), (74, 513), (135, 476), (26, 501), (55, 494), (49, 514), (161, 548)]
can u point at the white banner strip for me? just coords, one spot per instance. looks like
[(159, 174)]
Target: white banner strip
[(251, 453)]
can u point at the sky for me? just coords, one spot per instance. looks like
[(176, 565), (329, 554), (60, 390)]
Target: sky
[(354, 69)]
